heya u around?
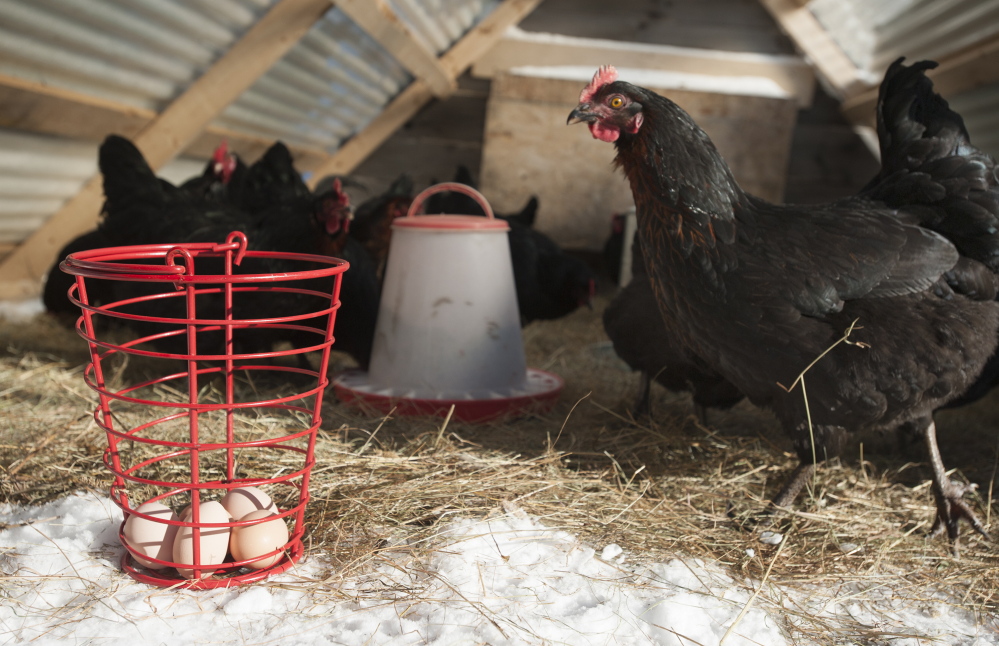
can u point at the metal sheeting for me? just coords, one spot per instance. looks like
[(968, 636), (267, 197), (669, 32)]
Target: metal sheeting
[(337, 79), (980, 110), (38, 173), (873, 34), (144, 53)]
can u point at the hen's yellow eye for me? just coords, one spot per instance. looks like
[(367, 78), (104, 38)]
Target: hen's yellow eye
[(616, 102)]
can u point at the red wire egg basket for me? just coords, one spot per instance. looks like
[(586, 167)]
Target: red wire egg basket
[(187, 434)]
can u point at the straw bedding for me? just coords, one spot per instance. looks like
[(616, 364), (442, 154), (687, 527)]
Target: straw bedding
[(660, 488)]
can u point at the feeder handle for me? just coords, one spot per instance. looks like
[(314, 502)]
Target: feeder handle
[(417, 205)]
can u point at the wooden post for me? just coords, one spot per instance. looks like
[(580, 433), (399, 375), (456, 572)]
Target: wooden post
[(167, 135)]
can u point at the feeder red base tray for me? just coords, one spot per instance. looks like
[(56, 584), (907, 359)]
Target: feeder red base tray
[(353, 388)]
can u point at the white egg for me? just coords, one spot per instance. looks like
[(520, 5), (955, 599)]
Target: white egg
[(214, 541), (151, 538), (254, 540), (241, 501)]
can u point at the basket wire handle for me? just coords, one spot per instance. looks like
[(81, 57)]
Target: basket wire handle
[(416, 207), (237, 238), (188, 263)]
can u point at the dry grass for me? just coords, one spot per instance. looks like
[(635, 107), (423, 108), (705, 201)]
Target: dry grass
[(662, 488)]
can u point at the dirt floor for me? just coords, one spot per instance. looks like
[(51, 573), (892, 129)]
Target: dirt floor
[(662, 487)]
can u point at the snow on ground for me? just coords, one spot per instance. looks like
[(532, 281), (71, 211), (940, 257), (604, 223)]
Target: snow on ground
[(508, 580), (21, 311)]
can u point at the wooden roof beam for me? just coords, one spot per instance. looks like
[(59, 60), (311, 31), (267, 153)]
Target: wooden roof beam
[(167, 135), (384, 26), (44, 109), (831, 62), (521, 48), (408, 102)]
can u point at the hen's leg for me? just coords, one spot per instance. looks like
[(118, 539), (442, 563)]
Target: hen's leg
[(951, 507), (784, 499), (793, 486), (642, 406)]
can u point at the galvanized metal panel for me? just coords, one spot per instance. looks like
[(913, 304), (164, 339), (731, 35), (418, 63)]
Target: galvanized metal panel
[(873, 34), (144, 53)]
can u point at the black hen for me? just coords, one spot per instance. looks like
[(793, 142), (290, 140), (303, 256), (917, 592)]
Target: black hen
[(640, 338), (550, 283), (223, 169), (760, 291), (127, 165), (613, 251), (931, 169), (373, 219), (141, 209)]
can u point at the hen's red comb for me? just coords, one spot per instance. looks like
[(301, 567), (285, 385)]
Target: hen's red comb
[(221, 152), (606, 74)]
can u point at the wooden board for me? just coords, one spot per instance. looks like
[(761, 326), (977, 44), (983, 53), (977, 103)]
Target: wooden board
[(811, 37), (725, 25), (529, 150), (520, 48)]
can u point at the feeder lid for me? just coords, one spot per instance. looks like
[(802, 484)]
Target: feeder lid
[(448, 222)]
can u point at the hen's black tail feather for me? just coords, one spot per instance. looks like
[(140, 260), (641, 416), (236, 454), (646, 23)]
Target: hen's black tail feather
[(915, 124), (930, 170)]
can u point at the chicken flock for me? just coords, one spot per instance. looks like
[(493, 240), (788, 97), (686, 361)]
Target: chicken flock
[(868, 313), (269, 202)]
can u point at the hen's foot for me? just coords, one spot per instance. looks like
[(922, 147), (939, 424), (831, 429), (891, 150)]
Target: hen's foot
[(951, 508), (949, 495)]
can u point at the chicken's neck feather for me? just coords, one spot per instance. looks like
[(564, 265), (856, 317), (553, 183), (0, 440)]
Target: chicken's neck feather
[(678, 177)]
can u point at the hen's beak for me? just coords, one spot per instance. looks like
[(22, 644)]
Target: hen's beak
[(580, 114)]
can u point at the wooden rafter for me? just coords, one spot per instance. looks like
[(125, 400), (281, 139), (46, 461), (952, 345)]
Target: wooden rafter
[(384, 26), (519, 48), (831, 62), (35, 107), (455, 61), (167, 134)]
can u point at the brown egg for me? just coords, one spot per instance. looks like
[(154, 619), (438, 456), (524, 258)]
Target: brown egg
[(149, 537), (214, 541), (248, 541), (241, 501)]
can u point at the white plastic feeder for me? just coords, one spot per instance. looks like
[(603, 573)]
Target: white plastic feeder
[(448, 329)]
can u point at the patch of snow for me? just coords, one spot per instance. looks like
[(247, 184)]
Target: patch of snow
[(21, 311), (504, 581)]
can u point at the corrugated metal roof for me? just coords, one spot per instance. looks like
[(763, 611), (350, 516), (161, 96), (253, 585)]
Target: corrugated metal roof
[(873, 34), (144, 53), (38, 173)]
